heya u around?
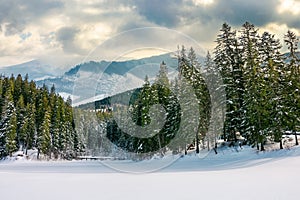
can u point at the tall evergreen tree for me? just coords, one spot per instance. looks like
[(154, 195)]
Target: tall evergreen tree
[(272, 69), (9, 125), (21, 116), (44, 137), (254, 85), (190, 70), (29, 127), (228, 64), (292, 85)]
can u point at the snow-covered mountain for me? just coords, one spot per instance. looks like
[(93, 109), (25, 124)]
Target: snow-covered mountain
[(35, 69), (93, 80)]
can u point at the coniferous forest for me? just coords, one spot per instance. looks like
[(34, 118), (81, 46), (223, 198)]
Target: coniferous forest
[(261, 83), (35, 118)]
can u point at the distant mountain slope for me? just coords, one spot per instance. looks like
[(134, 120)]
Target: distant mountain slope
[(35, 69), (121, 67), (92, 80), (110, 77)]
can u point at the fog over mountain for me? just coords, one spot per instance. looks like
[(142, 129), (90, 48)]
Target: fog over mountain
[(110, 77)]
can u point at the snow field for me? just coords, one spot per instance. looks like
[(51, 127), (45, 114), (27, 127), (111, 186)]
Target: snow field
[(228, 175)]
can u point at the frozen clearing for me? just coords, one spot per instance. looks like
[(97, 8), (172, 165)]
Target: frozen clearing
[(228, 175)]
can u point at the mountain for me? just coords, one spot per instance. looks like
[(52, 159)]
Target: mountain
[(35, 69), (91, 81)]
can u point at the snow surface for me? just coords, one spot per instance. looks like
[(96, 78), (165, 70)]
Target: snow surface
[(233, 173)]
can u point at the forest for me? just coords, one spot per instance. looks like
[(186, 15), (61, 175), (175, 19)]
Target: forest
[(261, 102), (36, 118), (261, 85)]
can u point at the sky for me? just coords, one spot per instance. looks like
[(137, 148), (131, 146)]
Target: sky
[(63, 32)]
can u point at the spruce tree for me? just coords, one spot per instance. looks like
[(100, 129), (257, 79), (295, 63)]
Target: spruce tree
[(21, 116), (190, 70), (29, 127), (254, 85), (44, 137), (292, 85), (272, 68), (217, 92), (228, 64), (9, 125)]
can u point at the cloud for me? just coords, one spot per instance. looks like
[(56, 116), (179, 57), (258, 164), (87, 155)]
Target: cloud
[(15, 15), (164, 13), (66, 36), (236, 12), (289, 6), (65, 30)]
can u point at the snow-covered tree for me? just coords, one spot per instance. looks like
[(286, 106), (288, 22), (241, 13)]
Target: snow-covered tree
[(190, 73), (292, 85), (8, 129), (272, 70), (44, 137), (229, 62)]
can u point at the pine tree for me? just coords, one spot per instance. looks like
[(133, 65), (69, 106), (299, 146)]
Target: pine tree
[(292, 85), (11, 130), (17, 88), (9, 125), (228, 64), (24, 120), (162, 77), (21, 115), (44, 137), (218, 98), (70, 131), (29, 127), (189, 71), (272, 69), (62, 126), (254, 86)]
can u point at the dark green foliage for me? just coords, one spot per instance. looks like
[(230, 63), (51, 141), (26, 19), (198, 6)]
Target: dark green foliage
[(262, 87), (34, 118), (190, 73), (149, 96)]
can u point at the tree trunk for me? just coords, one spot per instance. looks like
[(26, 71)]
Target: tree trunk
[(38, 154), (262, 148), (224, 130), (216, 146), (197, 142), (280, 144), (208, 147), (296, 139), (26, 148)]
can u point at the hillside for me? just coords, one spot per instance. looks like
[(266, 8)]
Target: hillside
[(109, 77)]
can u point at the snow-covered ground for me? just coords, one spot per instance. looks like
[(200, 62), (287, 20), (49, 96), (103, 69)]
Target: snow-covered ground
[(231, 174)]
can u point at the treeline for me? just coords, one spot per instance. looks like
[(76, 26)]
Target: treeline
[(262, 84), (254, 85), (36, 118), (138, 128)]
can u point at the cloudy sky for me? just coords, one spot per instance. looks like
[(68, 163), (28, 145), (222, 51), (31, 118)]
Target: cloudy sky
[(63, 32)]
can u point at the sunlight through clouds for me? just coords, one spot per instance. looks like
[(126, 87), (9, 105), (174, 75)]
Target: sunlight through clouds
[(291, 6), (202, 2)]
